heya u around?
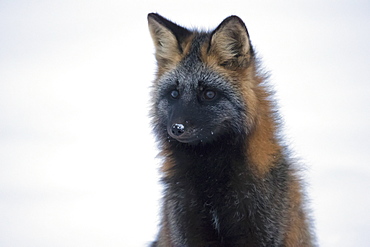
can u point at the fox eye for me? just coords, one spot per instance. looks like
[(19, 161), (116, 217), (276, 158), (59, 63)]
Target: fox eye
[(175, 94), (209, 94)]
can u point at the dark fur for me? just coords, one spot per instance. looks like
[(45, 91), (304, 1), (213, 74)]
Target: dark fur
[(228, 180)]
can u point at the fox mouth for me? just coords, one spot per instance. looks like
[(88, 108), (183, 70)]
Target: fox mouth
[(189, 139)]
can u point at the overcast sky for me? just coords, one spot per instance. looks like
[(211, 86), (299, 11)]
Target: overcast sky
[(77, 157)]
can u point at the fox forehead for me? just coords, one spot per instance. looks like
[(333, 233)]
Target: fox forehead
[(193, 54), (193, 70)]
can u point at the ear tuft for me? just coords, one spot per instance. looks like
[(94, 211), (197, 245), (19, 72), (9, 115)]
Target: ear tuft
[(230, 44), (167, 37)]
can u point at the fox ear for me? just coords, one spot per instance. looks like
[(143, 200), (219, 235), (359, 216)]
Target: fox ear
[(230, 44), (168, 38)]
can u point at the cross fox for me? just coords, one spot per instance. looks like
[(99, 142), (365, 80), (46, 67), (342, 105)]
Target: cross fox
[(228, 178)]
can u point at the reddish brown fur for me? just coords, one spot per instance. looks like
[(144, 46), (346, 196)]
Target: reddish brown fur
[(297, 233)]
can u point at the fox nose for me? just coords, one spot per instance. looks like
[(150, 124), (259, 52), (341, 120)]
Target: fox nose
[(178, 129)]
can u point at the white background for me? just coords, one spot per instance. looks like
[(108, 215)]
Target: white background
[(77, 157)]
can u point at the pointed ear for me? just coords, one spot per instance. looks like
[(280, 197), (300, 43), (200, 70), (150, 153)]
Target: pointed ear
[(230, 44), (168, 38)]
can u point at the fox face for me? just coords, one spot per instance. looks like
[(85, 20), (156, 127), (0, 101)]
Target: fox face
[(196, 105), (202, 81)]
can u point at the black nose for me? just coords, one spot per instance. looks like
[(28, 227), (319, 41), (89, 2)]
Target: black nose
[(178, 129)]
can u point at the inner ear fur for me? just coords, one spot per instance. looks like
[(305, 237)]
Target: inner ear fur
[(230, 44), (168, 38)]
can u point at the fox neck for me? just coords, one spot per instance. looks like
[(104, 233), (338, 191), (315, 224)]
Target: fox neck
[(214, 161)]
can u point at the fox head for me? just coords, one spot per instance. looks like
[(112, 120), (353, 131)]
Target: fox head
[(206, 82)]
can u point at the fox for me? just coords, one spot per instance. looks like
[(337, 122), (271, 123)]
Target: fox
[(228, 177)]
